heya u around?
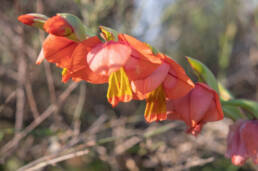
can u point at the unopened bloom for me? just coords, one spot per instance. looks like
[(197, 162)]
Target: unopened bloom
[(199, 106), (33, 19), (242, 142), (58, 26)]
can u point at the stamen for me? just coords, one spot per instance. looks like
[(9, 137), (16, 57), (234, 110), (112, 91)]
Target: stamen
[(156, 105), (119, 89)]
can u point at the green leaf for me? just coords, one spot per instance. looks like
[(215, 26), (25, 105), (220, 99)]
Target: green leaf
[(88, 32), (232, 112), (203, 73), (224, 93), (75, 22), (249, 105)]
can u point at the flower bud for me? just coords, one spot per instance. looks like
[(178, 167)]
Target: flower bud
[(66, 25), (58, 26), (33, 19)]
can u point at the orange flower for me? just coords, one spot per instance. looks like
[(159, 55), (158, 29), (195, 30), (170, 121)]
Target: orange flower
[(58, 26), (242, 142), (154, 77), (129, 64), (107, 59), (199, 106), (168, 81)]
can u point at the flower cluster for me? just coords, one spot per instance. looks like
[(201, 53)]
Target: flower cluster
[(134, 70)]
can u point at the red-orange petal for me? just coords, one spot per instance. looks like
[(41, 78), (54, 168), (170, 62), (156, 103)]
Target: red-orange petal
[(141, 47), (58, 26), (177, 84), (142, 61), (108, 57), (26, 19), (58, 50), (151, 82), (78, 67)]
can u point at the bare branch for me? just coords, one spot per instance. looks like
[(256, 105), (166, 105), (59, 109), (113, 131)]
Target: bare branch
[(9, 146), (51, 160)]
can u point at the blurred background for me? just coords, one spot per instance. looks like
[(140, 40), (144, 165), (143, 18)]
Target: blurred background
[(72, 127)]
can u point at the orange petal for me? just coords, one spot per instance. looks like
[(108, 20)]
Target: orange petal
[(177, 84), (215, 112), (78, 67), (178, 109), (138, 66), (151, 82), (58, 50), (58, 26), (142, 62), (141, 47), (200, 101), (108, 57), (86, 75)]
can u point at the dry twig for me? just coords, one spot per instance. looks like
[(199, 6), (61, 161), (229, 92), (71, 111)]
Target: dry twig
[(51, 160), (9, 146)]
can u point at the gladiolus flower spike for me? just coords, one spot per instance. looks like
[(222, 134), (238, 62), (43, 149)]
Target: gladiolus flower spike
[(132, 68), (135, 70)]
